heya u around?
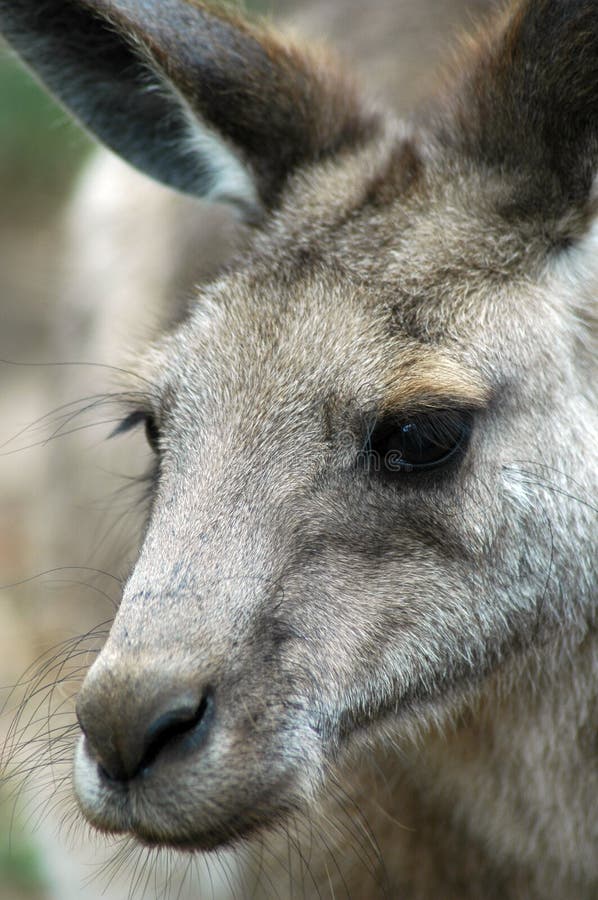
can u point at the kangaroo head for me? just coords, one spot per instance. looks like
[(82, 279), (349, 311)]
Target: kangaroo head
[(352, 427)]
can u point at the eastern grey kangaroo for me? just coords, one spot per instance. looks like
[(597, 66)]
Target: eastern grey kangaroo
[(358, 645)]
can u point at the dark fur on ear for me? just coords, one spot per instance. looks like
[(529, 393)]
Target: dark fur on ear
[(137, 71), (528, 102)]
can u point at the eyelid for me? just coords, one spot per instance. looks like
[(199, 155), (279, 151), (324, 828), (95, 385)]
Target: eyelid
[(135, 418), (436, 409), (431, 405)]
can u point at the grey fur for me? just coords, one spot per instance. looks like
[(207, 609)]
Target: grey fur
[(330, 615)]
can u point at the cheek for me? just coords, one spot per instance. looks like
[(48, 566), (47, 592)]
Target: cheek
[(379, 631)]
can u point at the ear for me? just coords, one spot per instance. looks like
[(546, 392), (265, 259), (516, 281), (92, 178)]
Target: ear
[(528, 103), (193, 95)]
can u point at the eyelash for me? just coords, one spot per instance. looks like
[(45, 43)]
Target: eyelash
[(141, 417)]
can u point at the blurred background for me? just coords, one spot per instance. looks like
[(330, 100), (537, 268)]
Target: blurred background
[(41, 153)]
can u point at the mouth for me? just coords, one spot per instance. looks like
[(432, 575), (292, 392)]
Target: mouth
[(188, 807)]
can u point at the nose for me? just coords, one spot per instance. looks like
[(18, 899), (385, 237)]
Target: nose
[(130, 721)]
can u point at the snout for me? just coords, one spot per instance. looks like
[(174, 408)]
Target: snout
[(132, 720), (199, 726), (180, 759)]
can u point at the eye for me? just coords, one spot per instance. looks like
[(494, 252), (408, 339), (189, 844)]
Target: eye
[(418, 443), (152, 433), (139, 417)]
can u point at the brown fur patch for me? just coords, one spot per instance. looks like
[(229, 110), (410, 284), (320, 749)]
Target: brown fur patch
[(429, 379)]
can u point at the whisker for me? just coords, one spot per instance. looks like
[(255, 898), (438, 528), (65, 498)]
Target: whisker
[(81, 364)]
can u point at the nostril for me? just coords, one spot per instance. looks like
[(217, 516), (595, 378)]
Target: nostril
[(178, 721), (125, 740)]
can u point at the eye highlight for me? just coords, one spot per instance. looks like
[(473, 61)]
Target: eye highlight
[(417, 443)]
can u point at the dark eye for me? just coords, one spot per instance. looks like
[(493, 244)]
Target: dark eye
[(418, 443), (141, 417), (152, 433)]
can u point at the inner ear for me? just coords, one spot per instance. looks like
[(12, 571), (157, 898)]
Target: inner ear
[(193, 95), (526, 101)]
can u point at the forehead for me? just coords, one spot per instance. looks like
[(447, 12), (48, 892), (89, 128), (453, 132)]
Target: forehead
[(410, 222), (318, 338), (353, 290), (254, 332)]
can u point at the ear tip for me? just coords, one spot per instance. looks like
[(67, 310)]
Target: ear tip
[(527, 89)]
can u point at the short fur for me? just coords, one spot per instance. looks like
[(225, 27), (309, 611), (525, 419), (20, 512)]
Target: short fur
[(420, 649)]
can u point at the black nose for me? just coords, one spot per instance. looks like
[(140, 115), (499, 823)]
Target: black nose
[(129, 722)]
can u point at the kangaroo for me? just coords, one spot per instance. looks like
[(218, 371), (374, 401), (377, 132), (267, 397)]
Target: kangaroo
[(362, 617)]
